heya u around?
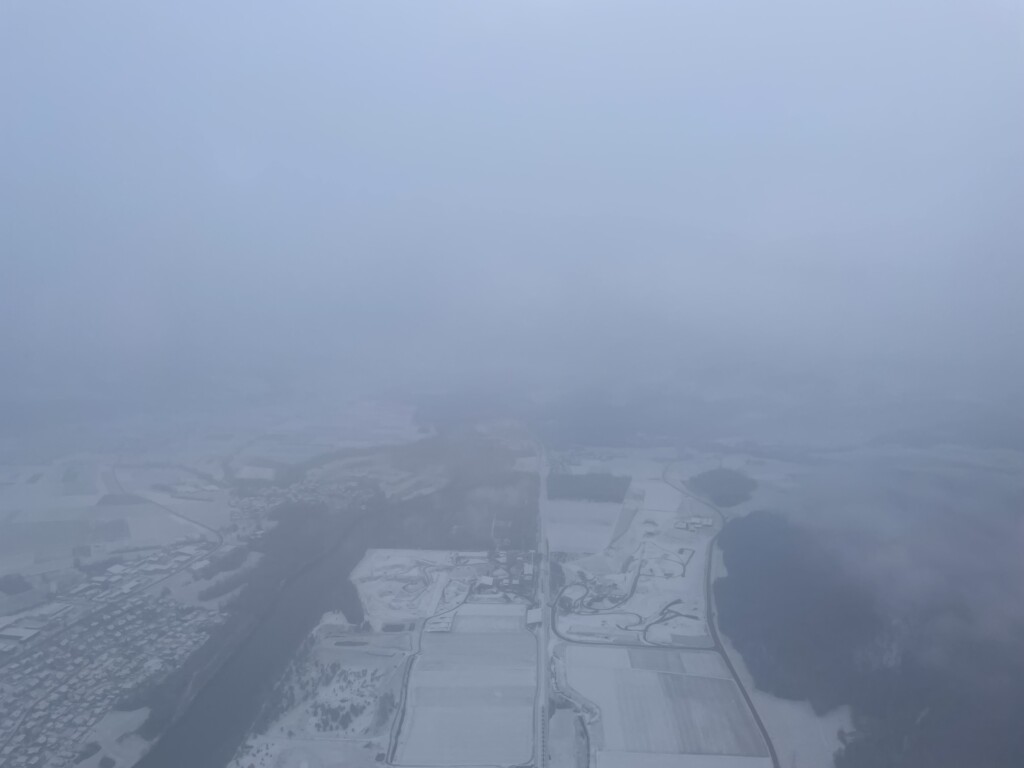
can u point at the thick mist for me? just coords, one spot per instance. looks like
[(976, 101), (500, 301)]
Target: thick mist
[(554, 194), (287, 289)]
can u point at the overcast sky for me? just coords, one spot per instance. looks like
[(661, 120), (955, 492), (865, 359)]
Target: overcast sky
[(425, 188)]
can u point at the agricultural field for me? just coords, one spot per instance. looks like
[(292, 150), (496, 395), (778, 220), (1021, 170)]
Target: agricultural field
[(471, 694), (48, 512), (663, 703), (566, 745), (61, 484), (172, 480), (472, 678), (190, 495), (579, 527), (52, 533)]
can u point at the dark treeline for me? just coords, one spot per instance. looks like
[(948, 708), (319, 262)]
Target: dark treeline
[(14, 584), (809, 631), (303, 573), (304, 534), (724, 487), (592, 486)]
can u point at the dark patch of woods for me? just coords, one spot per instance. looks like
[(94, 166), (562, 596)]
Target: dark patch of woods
[(724, 487), (592, 486), (808, 630), (14, 584)]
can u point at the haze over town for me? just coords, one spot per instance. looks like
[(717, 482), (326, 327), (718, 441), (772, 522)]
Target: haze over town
[(536, 383)]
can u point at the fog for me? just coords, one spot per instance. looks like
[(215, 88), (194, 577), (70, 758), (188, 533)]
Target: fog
[(285, 286), (935, 534), (553, 194)]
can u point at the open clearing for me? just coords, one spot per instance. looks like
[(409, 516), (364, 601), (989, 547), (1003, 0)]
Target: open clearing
[(115, 734), (563, 743), (579, 526), (663, 701)]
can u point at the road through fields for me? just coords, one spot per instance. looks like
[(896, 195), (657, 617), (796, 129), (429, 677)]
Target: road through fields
[(680, 485)]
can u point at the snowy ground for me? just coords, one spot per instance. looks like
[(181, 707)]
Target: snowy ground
[(336, 703), (667, 708), (401, 585), (115, 733), (662, 701), (579, 526), (646, 586), (472, 682), (471, 698), (449, 670), (563, 744), (46, 511)]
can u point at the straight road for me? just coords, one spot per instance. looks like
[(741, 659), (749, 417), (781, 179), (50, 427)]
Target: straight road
[(540, 730)]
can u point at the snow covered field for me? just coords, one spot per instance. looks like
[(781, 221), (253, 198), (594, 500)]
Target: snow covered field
[(46, 511), (471, 687), (579, 526), (664, 702), (115, 734), (470, 700), (563, 743)]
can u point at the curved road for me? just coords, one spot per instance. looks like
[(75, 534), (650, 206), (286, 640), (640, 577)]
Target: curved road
[(709, 597)]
